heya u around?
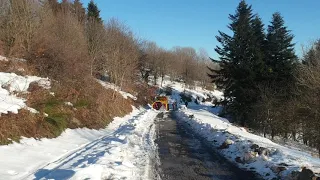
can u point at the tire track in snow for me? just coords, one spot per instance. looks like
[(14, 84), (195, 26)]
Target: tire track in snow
[(110, 151)]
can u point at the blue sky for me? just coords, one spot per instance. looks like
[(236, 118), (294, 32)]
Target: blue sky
[(195, 23)]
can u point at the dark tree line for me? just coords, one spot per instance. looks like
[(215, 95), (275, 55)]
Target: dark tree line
[(266, 87)]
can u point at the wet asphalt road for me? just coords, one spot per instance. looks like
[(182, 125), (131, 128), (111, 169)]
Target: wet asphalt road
[(183, 156)]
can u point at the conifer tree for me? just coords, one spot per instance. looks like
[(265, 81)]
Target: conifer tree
[(280, 56), (241, 60), (94, 12)]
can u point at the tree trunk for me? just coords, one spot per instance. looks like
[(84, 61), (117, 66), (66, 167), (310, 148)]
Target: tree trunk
[(91, 68), (162, 80), (272, 134)]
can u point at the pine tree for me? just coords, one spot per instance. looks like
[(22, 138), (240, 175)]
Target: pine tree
[(94, 12), (259, 48), (312, 57), (280, 56), (241, 60)]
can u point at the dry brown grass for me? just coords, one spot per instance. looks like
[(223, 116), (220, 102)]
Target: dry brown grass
[(17, 66), (96, 106), (26, 124), (145, 94), (1, 48), (93, 107)]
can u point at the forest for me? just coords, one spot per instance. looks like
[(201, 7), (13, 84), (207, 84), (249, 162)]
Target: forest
[(266, 86)]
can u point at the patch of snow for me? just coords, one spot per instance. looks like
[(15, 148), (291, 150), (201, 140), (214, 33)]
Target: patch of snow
[(21, 69), (19, 59), (10, 103), (116, 88), (68, 104), (10, 83), (34, 111), (21, 83), (52, 94), (2, 58)]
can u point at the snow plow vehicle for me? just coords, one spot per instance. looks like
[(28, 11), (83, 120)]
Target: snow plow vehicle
[(161, 102)]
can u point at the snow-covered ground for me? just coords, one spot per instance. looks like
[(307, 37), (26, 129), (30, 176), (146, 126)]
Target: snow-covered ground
[(123, 150), (12, 84), (235, 143)]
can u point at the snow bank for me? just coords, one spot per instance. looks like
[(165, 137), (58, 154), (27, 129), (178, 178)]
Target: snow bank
[(10, 84), (218, 132), (235, 143), (116, 88), (127, 154)]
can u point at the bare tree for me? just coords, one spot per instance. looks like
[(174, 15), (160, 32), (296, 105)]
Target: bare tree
[(121, 52), (96, 38), (19, 20)]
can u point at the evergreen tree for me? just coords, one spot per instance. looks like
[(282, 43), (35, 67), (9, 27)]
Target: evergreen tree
[(259, 47), (241, 60), (312, 57), (94, 12), (280, 57)]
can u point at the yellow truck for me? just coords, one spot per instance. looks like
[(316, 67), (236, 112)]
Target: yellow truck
[(161, 102)]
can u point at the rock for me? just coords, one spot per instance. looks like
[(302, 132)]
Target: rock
[(294, 175), (229, 141), (265, 158), (249, 157), (254, 147), (191, 116), (226, 144), (283, 164), (34, 86), (278, 169), (239, 160), (306, 174), (263, 151)]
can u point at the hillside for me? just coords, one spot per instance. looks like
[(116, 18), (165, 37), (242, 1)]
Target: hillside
[(38, 107)]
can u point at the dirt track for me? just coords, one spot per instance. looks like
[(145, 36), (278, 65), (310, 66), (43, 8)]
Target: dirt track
[(183, 156)]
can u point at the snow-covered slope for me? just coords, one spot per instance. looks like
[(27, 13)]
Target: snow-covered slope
[(246, 150), (122, 150)]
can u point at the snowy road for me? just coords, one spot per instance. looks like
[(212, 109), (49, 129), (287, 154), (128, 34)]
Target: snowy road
[(184, 156), (125, 153)]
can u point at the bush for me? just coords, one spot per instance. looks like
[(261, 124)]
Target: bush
[(185, 97), (168, 91)]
